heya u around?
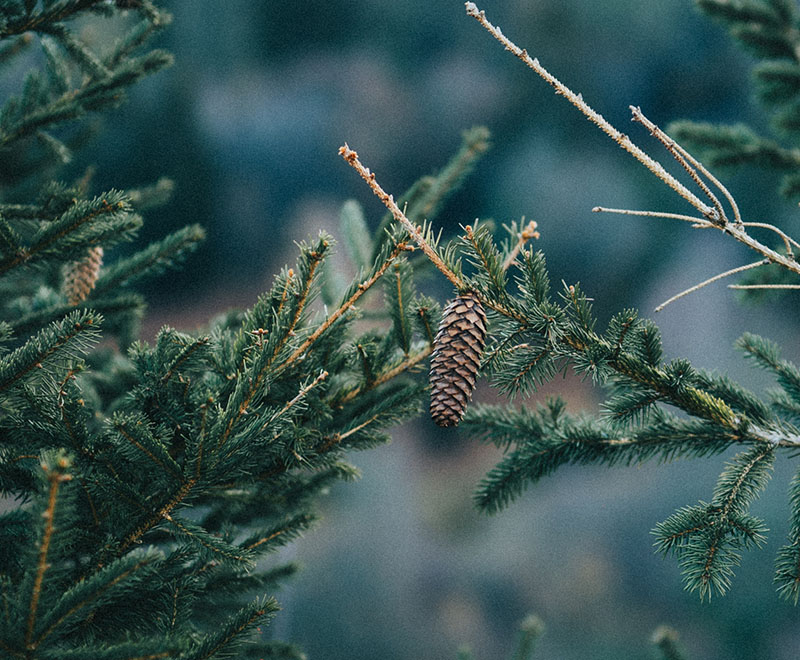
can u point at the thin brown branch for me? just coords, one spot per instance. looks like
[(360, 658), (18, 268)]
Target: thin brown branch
[(56, 477), (352, 159)]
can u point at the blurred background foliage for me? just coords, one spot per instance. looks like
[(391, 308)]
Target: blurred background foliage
[(248, 124)]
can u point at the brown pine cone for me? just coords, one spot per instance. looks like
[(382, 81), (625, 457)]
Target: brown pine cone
[(456, 357), (80, 276)]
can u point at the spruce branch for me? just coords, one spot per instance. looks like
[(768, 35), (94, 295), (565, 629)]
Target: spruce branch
[(351, 157), (55, 345), (665, 640), (56, 473), (103, 587), (229, 633)]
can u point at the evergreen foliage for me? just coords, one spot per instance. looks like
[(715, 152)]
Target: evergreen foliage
[(150, 484)]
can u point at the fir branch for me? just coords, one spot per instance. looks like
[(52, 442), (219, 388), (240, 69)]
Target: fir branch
[(787, 562), (56, 12), (104, 220), (56, 344), (56, 474), (665, 640), (707, 537), (530, 630), (169, 252), (102, 587), (353, 298), (154, 519), (133, 430), (271, 539), (229, 633), (406, 364), (211, 546)]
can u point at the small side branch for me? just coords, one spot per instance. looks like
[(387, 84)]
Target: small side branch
[(530, 232), (696, 287), (352, 159), (56, 477), (592, 115)]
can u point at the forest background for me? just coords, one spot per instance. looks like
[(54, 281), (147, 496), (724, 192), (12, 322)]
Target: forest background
[(248, 123)]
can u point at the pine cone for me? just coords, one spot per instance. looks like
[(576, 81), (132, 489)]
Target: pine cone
[(80, 276), (456, 357)]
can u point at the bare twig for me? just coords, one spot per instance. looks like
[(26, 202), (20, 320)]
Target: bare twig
[(788, 241), (697, 222), (524, 236), (352, 159), (592, 115), (694, 288), (710, 215), (684, 158), (743, 287)]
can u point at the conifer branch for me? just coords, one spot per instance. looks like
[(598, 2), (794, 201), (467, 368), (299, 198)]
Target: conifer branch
[(62, 340), (89, 591), (230, 630), (408, 363), (665, 640), (351, 157), (362, 288), (56, 475), (155, 518), (297, 399)]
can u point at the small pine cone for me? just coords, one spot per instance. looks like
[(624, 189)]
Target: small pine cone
[(456, 357), (80, 276)]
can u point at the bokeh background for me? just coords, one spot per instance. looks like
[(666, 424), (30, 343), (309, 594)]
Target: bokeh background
[(248, 124)]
